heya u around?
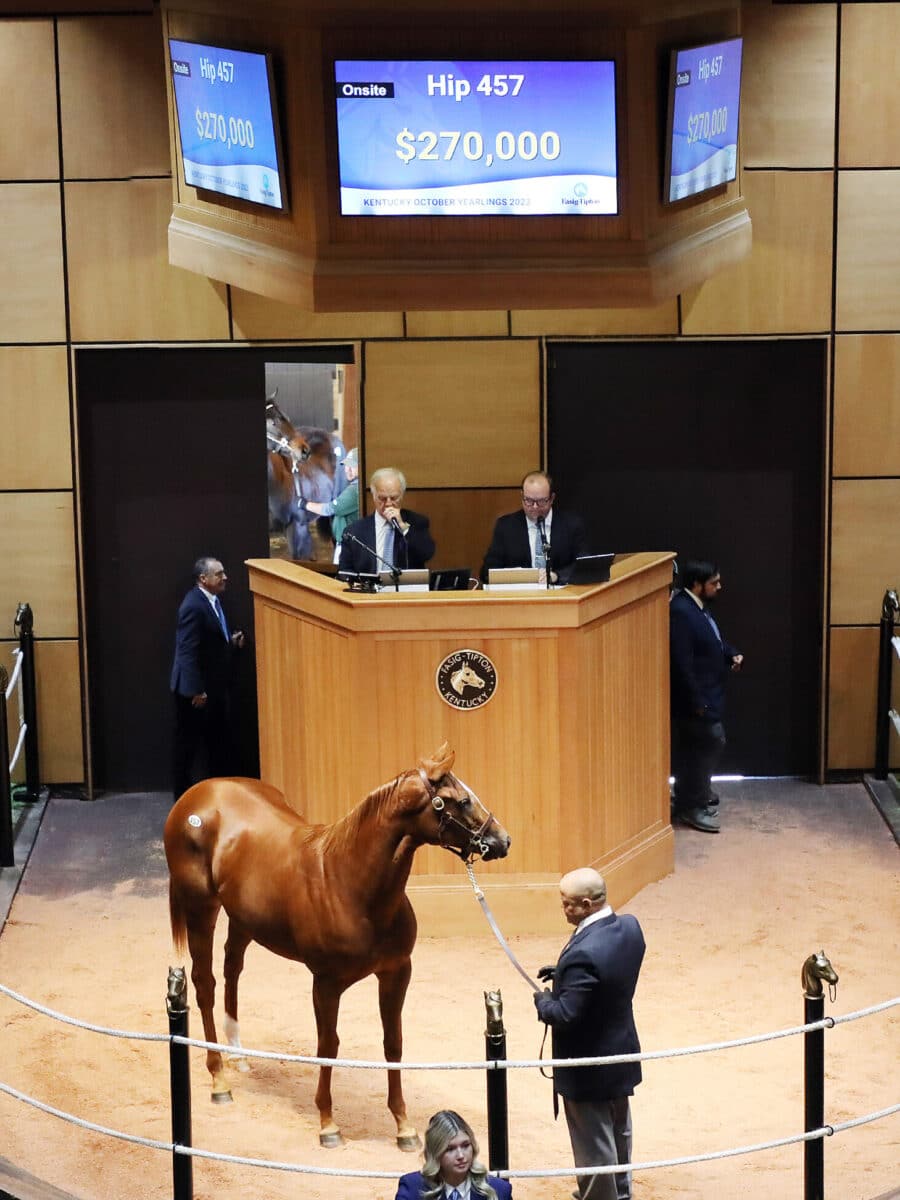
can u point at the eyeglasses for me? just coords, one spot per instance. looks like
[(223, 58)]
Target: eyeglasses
[(536, 501), (388, 499)]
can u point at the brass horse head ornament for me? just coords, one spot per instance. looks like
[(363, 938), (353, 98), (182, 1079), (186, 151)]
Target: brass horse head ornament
[(816, 970)]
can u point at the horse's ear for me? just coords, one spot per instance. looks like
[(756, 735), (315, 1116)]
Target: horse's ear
[(439, 763)]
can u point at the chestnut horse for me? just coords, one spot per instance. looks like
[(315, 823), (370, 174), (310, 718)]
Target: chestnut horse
[(330, 896), (286, 450)]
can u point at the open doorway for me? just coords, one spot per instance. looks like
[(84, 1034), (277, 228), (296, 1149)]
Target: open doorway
[(172, 464)]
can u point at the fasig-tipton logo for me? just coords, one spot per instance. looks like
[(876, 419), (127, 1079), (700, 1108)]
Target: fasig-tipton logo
[(466, 679), (181, 67)]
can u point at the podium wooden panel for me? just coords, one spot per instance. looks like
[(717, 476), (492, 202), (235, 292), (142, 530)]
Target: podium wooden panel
[(571, 753)]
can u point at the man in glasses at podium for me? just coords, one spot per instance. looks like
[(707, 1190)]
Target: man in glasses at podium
[(538, 535)]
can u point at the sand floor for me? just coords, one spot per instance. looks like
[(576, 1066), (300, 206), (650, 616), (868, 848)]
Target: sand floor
[(796, 869)]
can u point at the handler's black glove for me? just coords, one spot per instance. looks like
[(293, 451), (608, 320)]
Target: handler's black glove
[(546, 974)]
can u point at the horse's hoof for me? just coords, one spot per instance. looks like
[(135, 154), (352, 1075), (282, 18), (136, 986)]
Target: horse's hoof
[(331, 1141), (222, 1097), (409, 1142)]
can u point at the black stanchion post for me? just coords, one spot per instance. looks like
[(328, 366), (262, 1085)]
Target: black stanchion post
[(890, 609), (180, 1084), (25, 623), (816, 969), (497, 1109), (7, 849)]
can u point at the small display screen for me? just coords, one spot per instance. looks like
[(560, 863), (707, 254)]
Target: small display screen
[(704, 107), (227, 122), (510, 138)]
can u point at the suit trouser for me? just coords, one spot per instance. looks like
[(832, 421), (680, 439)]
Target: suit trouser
[(202, 744), (697, 747), (600, 1133)]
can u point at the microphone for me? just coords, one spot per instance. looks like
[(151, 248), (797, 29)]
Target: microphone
[(542, 532), (396, 526)]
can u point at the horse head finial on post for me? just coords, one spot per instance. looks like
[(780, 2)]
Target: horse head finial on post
[(816, 970)]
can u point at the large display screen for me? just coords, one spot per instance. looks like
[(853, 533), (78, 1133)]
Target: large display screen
[(510, 138), (704, 107), (227, 122)]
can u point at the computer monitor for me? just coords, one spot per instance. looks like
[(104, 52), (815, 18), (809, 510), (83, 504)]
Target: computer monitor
[(450, 579), (591, 568)]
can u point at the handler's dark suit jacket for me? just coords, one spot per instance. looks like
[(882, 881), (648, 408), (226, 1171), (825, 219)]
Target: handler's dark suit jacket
[(700, 663), (412, 1186), (203, 655), (590, 1008), (510, 546), (413, 549)]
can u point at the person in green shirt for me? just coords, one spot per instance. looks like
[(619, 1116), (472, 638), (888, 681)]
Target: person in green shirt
[(344, 509)]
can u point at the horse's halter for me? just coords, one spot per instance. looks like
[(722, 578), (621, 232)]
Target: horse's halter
[(476, 843), (280, 444)]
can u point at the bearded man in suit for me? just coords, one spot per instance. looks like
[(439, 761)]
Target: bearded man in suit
[(700, 662), (590, 1012)]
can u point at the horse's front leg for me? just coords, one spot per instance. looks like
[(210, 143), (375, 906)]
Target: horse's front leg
[(326, 1002), (392, 987)]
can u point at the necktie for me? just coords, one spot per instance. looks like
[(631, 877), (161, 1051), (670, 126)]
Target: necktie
[(539, 560), (715, 627), (388, 553), (454, 1195), (221, 615)]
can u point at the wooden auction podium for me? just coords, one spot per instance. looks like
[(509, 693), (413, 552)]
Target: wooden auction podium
[(570, 752)]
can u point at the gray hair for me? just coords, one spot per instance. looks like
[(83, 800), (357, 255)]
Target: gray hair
[(383, 473)]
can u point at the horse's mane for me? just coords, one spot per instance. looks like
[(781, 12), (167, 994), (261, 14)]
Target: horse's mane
[(346, 831)]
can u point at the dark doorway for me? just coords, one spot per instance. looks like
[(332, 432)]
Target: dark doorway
[(715, 450), (172, 455)]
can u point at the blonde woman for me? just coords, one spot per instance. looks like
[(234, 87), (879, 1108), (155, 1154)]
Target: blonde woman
[(451, 1170)]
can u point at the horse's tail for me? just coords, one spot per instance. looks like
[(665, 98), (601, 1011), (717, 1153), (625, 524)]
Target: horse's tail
[(177, 919)]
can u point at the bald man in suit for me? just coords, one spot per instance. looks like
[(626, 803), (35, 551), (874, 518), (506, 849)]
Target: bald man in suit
[(590, 1012)]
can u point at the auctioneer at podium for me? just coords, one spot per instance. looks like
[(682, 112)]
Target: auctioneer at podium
[(392, 536)]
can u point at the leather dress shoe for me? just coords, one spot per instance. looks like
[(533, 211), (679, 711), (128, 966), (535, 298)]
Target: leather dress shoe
[(704, 819)]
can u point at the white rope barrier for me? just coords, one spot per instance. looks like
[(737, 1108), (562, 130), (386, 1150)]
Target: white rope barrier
[(528, 1173), (477, 1065), (531, 1173), (16, 675), (14, 683), (58, 1016)]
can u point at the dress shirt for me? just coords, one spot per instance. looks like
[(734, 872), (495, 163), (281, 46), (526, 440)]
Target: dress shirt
[(382, 529), (463, 1188), (212, 604), (605, 911)]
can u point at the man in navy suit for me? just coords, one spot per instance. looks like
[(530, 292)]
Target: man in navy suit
[(700, 662), (518, 537), (201, 678), (392, 534), (590, 1013)]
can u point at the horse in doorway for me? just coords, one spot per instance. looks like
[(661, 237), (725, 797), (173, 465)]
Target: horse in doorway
[(330, 896), (286, 450)]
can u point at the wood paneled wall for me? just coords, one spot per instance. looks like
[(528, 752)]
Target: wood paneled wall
[(455, 397)]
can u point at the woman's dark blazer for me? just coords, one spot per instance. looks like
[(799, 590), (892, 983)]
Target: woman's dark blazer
[(412, 1186)]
